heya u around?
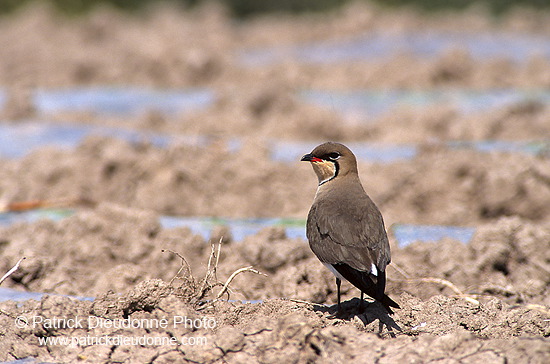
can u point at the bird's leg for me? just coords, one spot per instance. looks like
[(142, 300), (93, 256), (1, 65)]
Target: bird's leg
[(338, 283), (362, 302)]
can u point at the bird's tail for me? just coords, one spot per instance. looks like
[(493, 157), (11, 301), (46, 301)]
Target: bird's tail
[(364, 281), (387, 302)]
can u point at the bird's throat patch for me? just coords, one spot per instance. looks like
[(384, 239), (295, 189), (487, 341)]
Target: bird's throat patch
[(325, 170)]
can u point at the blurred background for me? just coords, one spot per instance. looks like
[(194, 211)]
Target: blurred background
[(200, 110), (131, 126), (243, 8)]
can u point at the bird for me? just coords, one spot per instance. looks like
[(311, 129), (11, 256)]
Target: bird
[(345, 229)]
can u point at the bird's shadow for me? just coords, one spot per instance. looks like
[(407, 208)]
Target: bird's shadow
[(365, 311)]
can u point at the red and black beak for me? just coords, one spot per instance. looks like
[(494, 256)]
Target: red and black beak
[(310, 158)]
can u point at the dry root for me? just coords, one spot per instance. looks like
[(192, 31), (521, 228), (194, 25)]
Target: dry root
[(472, 298), (232, 276), (408, 279), (200, 290), (12, 270)]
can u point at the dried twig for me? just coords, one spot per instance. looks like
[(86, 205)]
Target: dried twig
[(441, 281), (400, 270), (301, 301), (182, 266), (532, 306), (212, 256), (435, 280), (218, 253), (13, 269), (207, 284), (6, 313), (211, 271), (233, 275), (468, 297)]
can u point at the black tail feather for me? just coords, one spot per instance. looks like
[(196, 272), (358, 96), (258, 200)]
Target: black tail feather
[(364, 281), (387, 302)]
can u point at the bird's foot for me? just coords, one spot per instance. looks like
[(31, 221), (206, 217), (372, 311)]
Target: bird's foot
[(338, 313)]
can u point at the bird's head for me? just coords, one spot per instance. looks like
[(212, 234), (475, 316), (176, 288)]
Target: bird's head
[(331, 160)]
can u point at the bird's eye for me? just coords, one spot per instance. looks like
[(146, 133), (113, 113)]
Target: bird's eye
[(334, 156)]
